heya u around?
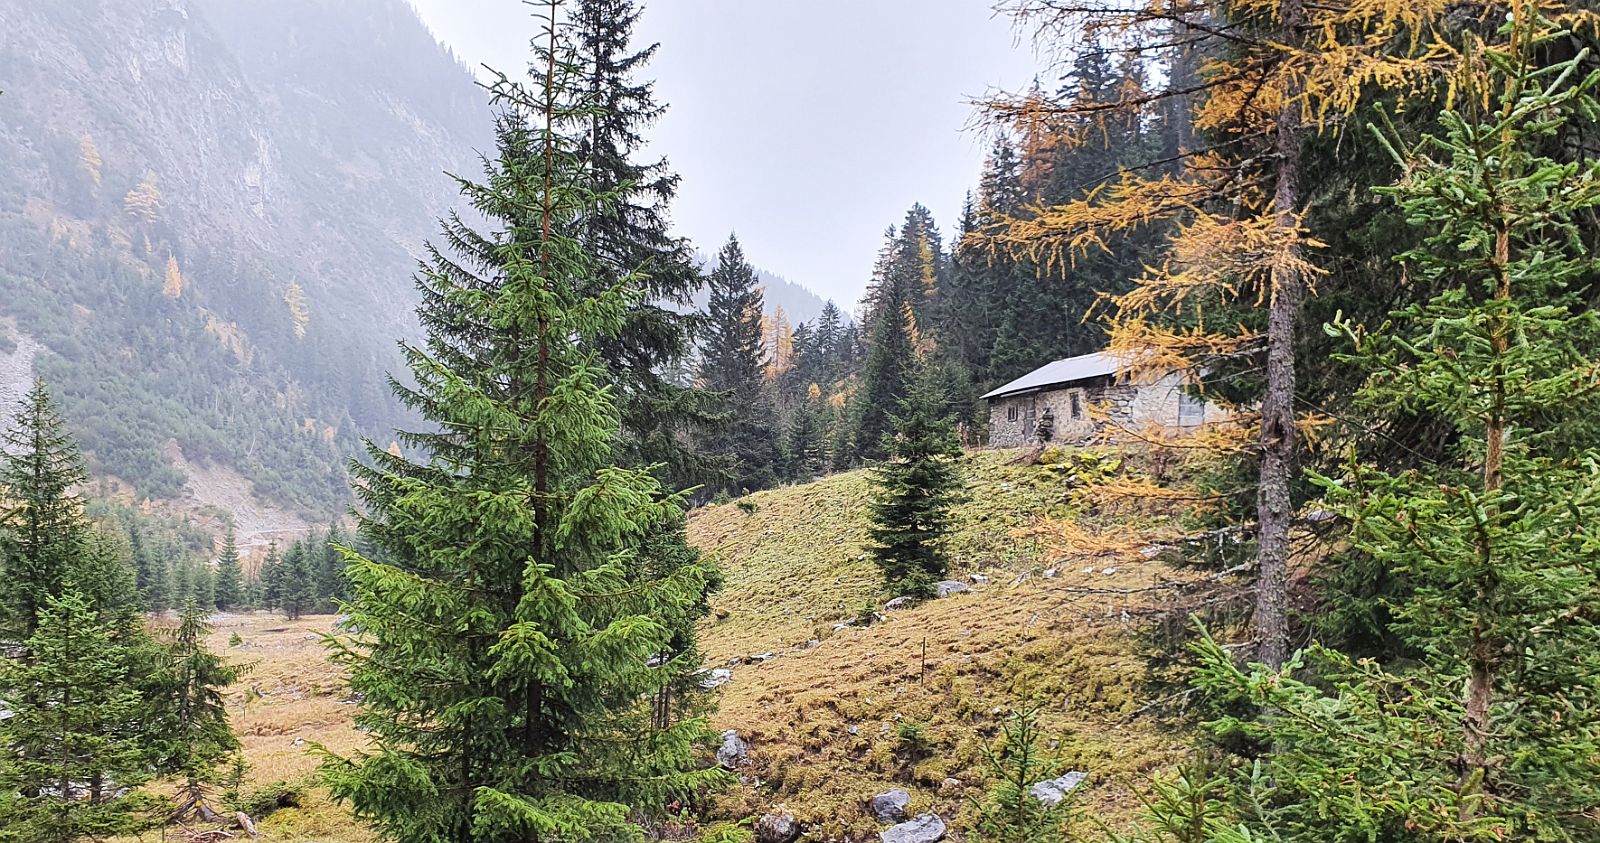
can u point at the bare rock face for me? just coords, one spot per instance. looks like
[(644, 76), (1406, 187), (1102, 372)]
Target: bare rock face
[(949, 587), (777, 827), (926, 828), (890, 805)]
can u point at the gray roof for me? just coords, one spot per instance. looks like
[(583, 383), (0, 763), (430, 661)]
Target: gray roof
[(1082, 367)]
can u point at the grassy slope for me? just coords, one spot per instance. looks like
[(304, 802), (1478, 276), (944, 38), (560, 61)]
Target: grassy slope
[(795, 566), (823, 718)]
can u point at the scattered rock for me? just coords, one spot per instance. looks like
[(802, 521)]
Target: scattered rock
[(815, 642), (716, 677), (854, 729), (758, 658), (1050, 573), (777, 827), (890, 805), (1111, 570), (978, 579), (899, 603), (950, 787), (721, 613), (1021, 578), (1051, 792), (926, 828), (299, 742), (734, 749), (949, 587)]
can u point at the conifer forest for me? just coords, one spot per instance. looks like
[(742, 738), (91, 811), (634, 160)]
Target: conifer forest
[(388, 454)]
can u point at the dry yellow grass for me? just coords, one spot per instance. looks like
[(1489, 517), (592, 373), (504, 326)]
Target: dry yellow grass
[(823, 715), (290, 699)]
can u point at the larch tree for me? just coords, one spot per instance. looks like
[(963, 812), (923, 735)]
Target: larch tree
[(89, 158), (1272, 73), (143, 202), (172, 287), (504, 635), (1489, 731), (299, 314)]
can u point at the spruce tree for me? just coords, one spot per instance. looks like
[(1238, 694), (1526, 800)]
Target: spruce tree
[(298, 587), (332, 587), (891, 343), (807, 446), (914, 491), (627, 235), (271, 577), (152, 575), (506, 633), (229, 585), (103, 573), (732, 361), (192, 720), (39, 467), (73, 736)]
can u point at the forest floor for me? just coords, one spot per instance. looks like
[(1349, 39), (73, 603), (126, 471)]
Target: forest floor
[(1051, 620)]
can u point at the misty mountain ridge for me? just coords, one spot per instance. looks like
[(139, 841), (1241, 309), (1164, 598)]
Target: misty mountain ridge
[(215, 208)]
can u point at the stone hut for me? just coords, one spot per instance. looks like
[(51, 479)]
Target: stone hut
[(1079, 398)]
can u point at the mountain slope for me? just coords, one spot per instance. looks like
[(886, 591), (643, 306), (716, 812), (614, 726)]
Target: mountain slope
[(210, 209)]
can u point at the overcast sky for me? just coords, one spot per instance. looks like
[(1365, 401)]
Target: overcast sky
[(807, 126)]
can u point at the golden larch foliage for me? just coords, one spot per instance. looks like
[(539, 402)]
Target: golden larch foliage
[(778, 337), (89, 157), (299, 316), (173, 287), (143, 202)]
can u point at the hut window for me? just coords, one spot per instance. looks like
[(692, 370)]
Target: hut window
[(1075, 400), (1011, 413)]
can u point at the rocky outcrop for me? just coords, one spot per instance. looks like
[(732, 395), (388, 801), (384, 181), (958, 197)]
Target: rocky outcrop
[(890, 805), (926, 828), (1050, 793), (777, 827), (733, 750)]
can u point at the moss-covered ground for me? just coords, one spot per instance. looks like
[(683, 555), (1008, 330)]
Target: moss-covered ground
[(911, 700)]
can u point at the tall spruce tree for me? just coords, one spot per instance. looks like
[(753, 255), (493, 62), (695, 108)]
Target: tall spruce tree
[(72, 740), (39, 467), (229, 581), (732, 362), (627, 235), (914, 491), (506, 634), (892, 304)]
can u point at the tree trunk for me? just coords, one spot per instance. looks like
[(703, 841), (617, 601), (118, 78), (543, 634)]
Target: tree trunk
[(1483, 646), (1279, 441)]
